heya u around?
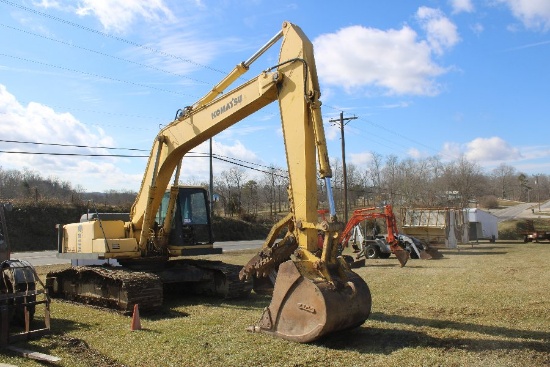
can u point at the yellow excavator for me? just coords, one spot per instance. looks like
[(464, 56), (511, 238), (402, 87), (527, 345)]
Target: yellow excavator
[(314, 293)]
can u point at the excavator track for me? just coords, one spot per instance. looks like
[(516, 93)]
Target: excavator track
[(226, 283), (120, 288), (109, 287)]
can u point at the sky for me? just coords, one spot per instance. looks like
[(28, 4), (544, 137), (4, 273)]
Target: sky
[(86, 85)]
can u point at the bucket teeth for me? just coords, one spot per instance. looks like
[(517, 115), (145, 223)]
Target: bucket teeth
[(269, 258)]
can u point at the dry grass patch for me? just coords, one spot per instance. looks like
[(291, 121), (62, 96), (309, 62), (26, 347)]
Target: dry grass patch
[(482, 305)]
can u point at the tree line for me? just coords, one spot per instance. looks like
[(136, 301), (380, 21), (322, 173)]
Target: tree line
[(426, 182)]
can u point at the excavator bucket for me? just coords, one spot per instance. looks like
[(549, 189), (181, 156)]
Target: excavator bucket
[(402, 255), (424, 255), (304, 308), (430, 253)]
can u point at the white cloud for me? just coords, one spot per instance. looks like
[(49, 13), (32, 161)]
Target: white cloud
[(179, 51), (115, 15), (360, 159), (441, 33), (38, 123), (451, 151), (332, 132), (462, 6), (53, 4), (534, 14), (477, 28), (237, 150), (485, 150), (491, 149), (415, 153), (41, 124), (196, 169), (395, 61)]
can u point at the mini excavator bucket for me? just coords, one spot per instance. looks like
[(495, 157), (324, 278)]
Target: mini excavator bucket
[(401, 254), (304, 308), (425, 255), (430, 253)]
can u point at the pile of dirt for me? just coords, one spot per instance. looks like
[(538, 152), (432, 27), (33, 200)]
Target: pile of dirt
[(84, 353)]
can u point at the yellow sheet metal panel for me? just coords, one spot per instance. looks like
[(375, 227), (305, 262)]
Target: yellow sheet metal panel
[(111, 229), (115, 245), (78, 237)]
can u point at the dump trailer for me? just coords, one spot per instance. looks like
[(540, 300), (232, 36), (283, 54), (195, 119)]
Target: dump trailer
[(445, 227), (313, 295)]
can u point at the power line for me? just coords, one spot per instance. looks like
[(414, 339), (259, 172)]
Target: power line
[(74, 154), (70, 145), (257, 164), (200, 155), (235, 161), (107, 35), (400, 135), (101, 53), (94, 75)]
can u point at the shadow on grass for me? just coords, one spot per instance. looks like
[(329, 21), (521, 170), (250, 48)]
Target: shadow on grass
[(64, 326), (462, 326), (173, 302), (367, 264), (386, 341), (469, 252)]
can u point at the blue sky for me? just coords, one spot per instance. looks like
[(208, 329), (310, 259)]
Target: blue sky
[(423, 78)]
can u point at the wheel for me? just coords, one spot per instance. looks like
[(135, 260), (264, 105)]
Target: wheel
[(372, 252)]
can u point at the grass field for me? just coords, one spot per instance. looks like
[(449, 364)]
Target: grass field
[(484, 305)]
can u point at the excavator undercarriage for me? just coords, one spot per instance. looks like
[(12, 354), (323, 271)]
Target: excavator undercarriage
[(120, 288)]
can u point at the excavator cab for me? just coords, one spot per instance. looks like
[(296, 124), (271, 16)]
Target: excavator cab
[(189, 222)]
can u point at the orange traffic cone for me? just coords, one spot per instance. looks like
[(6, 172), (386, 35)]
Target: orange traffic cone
[(136, 323)]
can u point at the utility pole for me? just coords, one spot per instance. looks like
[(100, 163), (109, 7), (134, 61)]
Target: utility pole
[(211, 183), (538, 190), (344, 170)]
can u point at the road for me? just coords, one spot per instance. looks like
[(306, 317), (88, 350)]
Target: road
[(39, 258), (525, 210)]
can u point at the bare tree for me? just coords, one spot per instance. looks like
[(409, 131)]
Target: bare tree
[(234, 179), (464, 180), (250, 197), (390, 174), (375, 174), (504, 177)]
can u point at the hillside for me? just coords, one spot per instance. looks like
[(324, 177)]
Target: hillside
[(32, 226)]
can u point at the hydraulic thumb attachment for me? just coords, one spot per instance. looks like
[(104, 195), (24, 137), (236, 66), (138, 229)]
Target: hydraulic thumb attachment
[(312, 296)]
